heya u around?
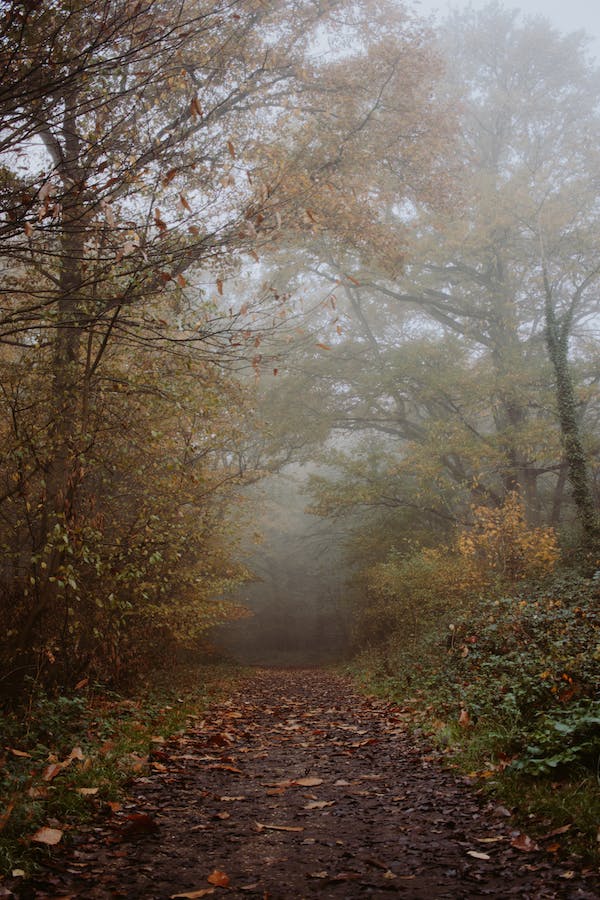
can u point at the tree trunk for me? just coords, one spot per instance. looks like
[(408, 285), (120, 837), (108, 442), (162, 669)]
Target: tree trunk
[(557, 342)]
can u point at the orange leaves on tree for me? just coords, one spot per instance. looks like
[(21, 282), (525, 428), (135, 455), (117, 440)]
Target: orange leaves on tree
[(170, 176), (195, 108), (159, 222)]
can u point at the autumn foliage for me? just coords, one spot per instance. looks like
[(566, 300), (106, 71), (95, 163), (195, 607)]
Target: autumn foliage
[(500, 544)]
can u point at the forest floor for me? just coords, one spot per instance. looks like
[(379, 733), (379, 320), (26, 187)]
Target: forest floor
[(294, 787)]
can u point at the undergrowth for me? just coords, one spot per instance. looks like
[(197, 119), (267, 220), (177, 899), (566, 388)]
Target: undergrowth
[(510, 690), (62, 759)]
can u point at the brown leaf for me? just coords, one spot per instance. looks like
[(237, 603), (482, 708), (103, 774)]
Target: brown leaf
[(221, 879), (160, 224), (261, 826), (138, 823), (194, 895), (28, 228), (309, 781), (231, 149), (220, 286), (318, 804), (184, 202), (76, 753), (561, 830), (88, 792), (323, 346), (169, 176), (524, 843), (20, 753), (6, 815), (464, 719), (50, 836), (195, 108), (51, 771), (81, 684)]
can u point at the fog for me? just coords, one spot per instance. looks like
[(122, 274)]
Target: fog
[(297, 601)]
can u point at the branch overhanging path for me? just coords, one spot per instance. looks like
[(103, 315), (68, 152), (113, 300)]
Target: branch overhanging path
[(298, 787)]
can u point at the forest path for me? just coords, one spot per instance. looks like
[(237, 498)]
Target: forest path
[(299, 787)]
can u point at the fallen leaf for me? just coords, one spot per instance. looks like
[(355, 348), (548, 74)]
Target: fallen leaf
[(464, 719), (50, 836), (318, 804), (524, 843), (555, 831), (88, 792), (221, 879), (307, 782), (6, 815), (51, 771), (138, 823), (477, 855), (194, 895), (230, 799), (261, 826), (20, 753)]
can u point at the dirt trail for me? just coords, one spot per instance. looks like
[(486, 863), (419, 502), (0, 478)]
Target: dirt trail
[(297, 787)]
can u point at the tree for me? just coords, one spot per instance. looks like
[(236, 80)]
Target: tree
[(470, 403), (138, 166)]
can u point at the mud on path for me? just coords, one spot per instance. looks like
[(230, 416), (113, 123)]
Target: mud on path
[(298, 787)]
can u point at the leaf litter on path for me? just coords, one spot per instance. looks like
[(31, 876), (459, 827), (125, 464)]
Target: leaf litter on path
[(338, 801)]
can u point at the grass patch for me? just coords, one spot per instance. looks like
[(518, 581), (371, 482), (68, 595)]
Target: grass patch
[(62, 759)]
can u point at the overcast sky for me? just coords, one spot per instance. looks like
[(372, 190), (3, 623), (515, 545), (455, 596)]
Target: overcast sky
[(567, 15)]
